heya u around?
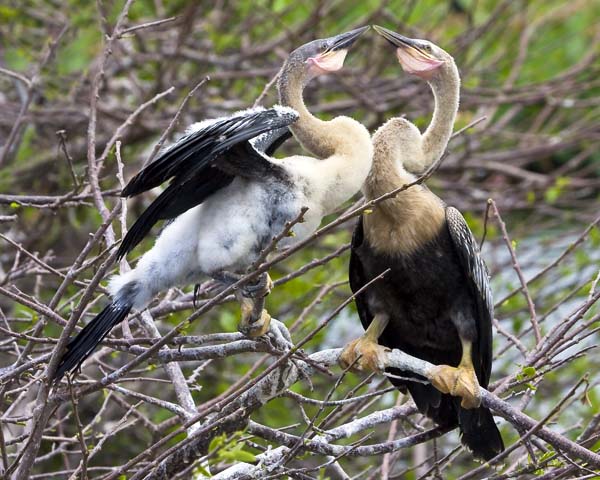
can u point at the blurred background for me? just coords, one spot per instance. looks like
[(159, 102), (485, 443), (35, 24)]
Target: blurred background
[(530, 80)]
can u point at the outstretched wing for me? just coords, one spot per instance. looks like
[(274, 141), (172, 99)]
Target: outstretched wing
[(205, 144), (203, 162), (477, 274)]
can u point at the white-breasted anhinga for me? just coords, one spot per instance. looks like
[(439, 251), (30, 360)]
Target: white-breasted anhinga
[(229, 197), (435, 303)]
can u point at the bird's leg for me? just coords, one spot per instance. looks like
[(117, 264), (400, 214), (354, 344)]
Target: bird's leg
[(364, 353), (458, 381), (255, 319), (261, 288)]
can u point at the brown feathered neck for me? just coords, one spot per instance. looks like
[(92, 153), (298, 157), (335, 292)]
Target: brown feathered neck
[(415, 216), (402, 224)]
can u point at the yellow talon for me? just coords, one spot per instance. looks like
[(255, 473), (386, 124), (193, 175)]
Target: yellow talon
[(257, 328), (255, 320), (364, 354), (458, 381)]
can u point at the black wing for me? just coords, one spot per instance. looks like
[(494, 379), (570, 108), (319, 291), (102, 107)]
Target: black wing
[(270, 141), (476, 272), (357, 277), (250, 159), (202, 163), (202, 147)]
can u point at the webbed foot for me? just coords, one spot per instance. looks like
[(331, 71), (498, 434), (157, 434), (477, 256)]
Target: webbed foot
[(458, 381), (364, 354), (255, 319)]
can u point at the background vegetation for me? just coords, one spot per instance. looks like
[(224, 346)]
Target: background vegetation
[(84, 85)]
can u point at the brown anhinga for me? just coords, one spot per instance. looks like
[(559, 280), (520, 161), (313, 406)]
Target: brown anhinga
[(435, 303)]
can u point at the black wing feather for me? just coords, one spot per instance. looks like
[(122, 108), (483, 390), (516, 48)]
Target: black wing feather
[(193, 164), (476, 271), (81, 346), (200, 148), (269, 142), (357, 277), (175, 200)]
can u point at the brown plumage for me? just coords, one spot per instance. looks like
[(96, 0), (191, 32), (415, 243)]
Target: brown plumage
[(435, 303)]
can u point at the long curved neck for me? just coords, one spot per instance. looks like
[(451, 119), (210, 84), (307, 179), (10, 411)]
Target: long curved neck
[(403, 223), (308, 129), (391, 142), (446, 94)]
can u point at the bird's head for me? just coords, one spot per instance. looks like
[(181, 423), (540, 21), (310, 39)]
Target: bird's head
[(327, 54), (418, 57)]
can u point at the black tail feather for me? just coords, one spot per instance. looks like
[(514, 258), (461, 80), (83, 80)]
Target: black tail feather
[(80, 347), (478, 430), (433, 404), (480, 433)]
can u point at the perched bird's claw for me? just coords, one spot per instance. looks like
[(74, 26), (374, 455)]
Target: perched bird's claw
[(457, 381), (256, 328), (255, 319), (261, 288), (209, 287), (364, 354)]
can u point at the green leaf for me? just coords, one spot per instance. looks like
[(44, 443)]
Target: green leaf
[(7, 13), (526, 373), (553, 193), (217, 442), (238, 455), (199, 470)]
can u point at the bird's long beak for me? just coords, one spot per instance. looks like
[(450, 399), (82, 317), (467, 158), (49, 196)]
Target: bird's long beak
[(344, 41), (332, 60), (395, 38), (410, 54)]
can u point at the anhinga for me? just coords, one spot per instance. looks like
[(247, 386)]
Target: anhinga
[(435, 303), (229, 197)]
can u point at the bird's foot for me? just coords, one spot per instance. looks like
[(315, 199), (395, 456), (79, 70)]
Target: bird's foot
[(364, 354), (255, 319), (457, 381), (256, 328), (261, 288)]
